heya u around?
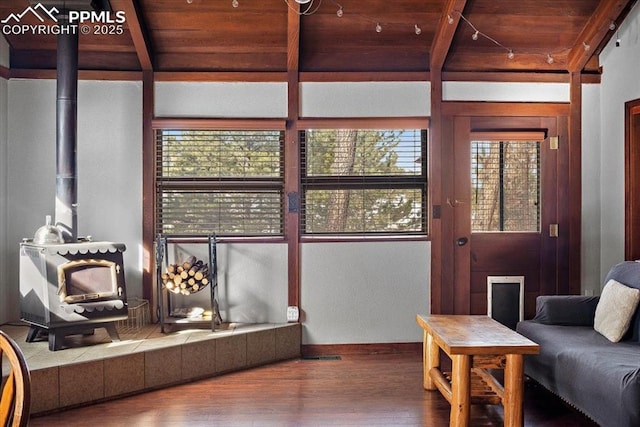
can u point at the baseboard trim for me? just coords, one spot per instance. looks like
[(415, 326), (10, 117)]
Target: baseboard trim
[(361, 349)]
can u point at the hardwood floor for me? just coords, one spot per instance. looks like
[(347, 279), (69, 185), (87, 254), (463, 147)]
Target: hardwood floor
[(357, 390)]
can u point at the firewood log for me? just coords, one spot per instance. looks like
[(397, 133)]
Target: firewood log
[(189, 262)]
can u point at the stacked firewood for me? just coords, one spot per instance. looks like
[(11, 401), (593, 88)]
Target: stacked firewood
[(187, 278)]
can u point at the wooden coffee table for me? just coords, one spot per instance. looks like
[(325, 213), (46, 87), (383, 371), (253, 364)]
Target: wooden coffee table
[(475, 344)]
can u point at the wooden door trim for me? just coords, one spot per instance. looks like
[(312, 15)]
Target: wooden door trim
[(632, 180), (448, 299), (460, 206)]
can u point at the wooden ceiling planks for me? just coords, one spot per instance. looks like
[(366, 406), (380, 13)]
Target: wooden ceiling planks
[(211, 36)]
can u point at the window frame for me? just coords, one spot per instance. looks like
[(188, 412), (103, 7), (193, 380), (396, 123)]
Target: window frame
[(374, 181), (240, 184)]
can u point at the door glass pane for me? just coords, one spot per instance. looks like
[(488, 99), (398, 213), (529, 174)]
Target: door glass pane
[(505, 186)]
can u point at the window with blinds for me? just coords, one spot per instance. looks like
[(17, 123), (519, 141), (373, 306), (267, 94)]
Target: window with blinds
[(505, 186), (219, 181), (363, 181)]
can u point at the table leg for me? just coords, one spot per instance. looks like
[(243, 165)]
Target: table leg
[(513, 391), (430, 359), (460, 390)]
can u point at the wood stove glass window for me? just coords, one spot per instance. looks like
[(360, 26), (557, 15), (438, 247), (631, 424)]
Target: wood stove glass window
[(228, 182), (87, 279)]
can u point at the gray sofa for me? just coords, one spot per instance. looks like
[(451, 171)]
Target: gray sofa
[(598, 377)]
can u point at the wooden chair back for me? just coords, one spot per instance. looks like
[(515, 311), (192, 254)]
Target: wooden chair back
[(15, 391)]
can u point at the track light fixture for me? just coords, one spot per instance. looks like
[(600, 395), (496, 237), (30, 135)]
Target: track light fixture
[(510, 55), (586, 46), (449, 19), (340, 12), (235, 3), (475, 35), (549, 59), (378, 27), (612, 25), (417, 29)]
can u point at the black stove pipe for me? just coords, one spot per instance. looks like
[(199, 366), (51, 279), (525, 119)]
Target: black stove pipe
[(67, 132)]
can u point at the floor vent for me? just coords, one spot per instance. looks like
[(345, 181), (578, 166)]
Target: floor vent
[(330, 357)]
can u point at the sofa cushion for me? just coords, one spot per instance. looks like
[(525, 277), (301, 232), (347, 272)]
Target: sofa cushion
[(628, 273), (568, 310), (615, 309), (593, 374)]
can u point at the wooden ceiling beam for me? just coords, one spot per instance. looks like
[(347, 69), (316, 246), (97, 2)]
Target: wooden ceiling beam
[(594, 33), (137, 29), (445, 32), (291, 156), (50, 74)]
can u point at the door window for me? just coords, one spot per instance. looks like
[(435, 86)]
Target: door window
[(505, 186)]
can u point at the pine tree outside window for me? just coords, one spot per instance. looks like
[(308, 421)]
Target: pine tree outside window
[(363, 182), (227, 182)]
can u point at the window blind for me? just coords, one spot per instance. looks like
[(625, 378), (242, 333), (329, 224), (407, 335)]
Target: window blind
[(227, 182), (363, 181)]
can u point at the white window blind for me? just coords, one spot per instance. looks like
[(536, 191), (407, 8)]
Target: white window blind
[(363, 181), (219, 181)]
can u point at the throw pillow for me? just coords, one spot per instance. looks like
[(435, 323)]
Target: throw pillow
[(615, 309)]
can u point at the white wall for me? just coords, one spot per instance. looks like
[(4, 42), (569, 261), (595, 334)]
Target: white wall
[(4, 302), (109, 168), (364, 292), (252, 281), (620, 83), (505, 92), (591, 192), (4, 52), (371, 99), (227, 100)]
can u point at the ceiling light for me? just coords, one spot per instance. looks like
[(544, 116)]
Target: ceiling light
[(303, 1), (586, 46), (475, 35), (510, 55), (449, 19), (340, 12), (417, 29), (549, 58), (612, 25), (234, 3), (378, 28)]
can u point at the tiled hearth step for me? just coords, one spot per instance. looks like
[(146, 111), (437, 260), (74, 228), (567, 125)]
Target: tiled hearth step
[(93, 369)]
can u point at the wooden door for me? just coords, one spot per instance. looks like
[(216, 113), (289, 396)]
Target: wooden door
[(506, 216)]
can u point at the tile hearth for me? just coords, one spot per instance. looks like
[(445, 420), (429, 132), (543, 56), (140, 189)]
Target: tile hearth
[(92, 368)]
